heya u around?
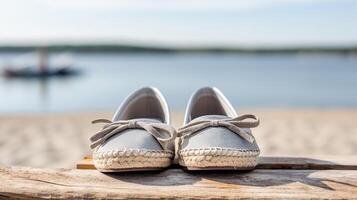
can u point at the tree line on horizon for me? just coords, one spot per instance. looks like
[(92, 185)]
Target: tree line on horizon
[(158, 49)]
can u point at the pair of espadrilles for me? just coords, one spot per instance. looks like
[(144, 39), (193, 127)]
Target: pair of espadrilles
[(140, 137)]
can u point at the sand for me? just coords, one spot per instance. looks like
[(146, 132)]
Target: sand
[(59, 140)]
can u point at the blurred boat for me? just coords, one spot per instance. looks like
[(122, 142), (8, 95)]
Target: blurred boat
[(40, 70), (34, 72)]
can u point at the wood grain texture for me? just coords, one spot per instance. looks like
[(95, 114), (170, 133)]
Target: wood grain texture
[(29, 183), (268, 162), (308, 162)]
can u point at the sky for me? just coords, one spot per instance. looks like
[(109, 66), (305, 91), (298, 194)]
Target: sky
[(254, 23)]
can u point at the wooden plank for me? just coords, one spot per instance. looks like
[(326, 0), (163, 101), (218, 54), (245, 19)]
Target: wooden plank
[(270, 162), (308, 162), (28, 183), (85, 163)]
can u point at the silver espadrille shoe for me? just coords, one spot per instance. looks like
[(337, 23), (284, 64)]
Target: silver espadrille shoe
[(139, 136), (214, 136)]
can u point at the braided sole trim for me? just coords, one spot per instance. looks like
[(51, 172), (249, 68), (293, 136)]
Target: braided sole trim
[(218, 157), (132, 159)]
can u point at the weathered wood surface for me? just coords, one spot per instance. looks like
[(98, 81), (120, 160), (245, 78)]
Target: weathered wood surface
[(308, 162), (29, 183), (266, 162)]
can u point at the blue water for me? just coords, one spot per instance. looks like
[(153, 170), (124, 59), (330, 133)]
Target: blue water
[(273, 80)]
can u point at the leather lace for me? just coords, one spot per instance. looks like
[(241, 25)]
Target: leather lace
[(163, 133), (236, 125)]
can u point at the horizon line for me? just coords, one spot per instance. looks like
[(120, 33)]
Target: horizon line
[(132, 47)]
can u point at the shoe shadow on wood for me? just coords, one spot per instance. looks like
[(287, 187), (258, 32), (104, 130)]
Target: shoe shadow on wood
[(168, 177)]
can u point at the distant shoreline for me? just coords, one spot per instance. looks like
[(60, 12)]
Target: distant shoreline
[(96, 48)]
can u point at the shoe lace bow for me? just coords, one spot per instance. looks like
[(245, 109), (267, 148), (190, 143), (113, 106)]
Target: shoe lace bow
[(163, 133), (236, 125)]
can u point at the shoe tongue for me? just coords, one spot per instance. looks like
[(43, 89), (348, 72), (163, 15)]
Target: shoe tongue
[(149, 120), (210, 117)]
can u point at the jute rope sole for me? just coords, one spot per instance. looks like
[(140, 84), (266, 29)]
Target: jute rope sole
[(131, 159), (218, 158)]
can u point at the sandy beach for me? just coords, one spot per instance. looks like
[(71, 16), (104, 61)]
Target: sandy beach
[(59, 140)]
